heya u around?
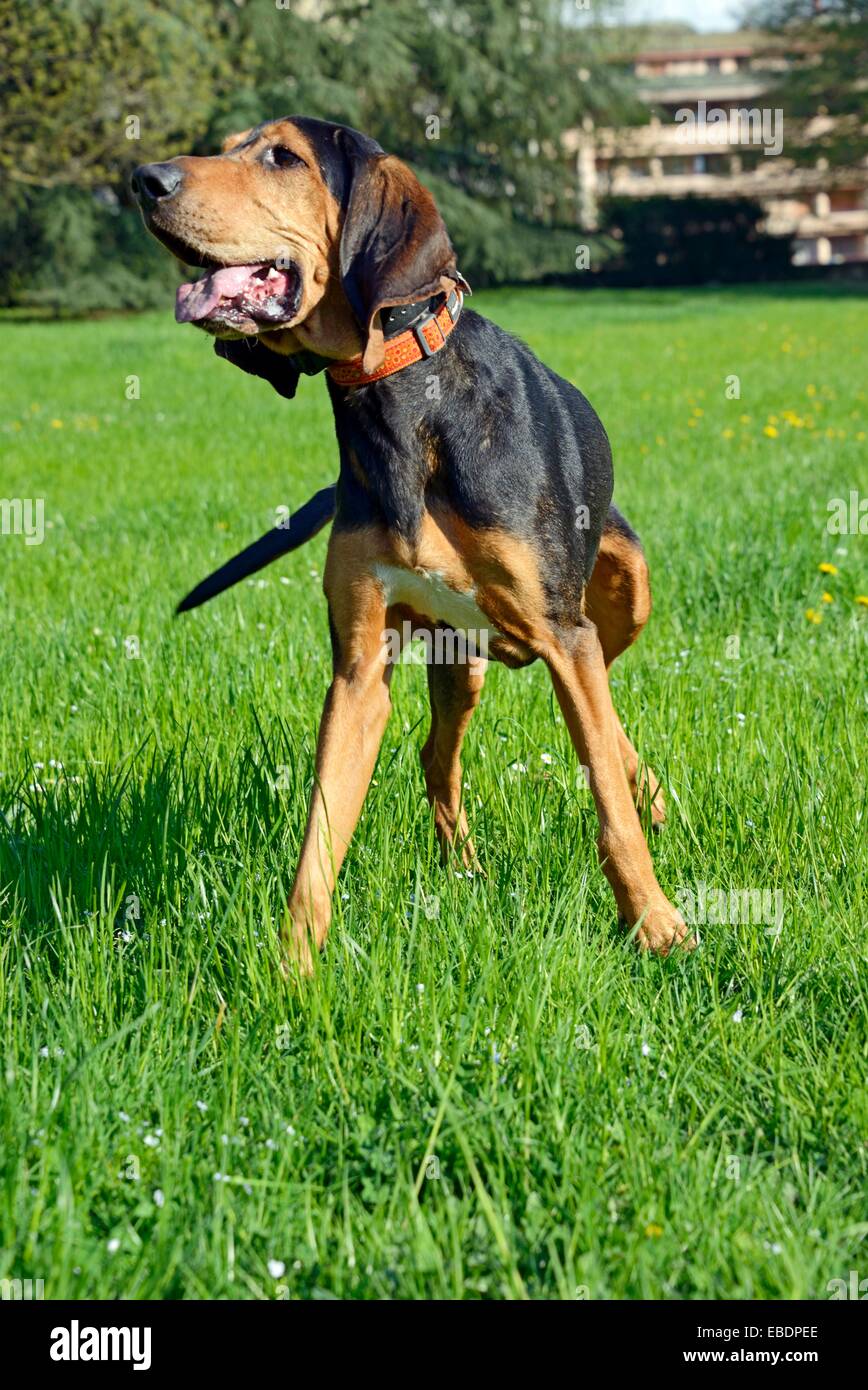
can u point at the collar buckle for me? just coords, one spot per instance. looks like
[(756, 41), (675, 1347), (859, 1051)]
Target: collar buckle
[(425, 347), (453, 307)]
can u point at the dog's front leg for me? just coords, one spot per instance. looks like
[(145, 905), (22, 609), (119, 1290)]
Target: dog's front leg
[(353, 722)]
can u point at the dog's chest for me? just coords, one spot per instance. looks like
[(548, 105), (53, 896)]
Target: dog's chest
[(427, 592)]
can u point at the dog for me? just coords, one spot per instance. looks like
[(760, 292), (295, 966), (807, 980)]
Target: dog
[(474, 490)]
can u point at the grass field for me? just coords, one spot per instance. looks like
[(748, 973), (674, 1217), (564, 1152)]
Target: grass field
[(485, 1092)]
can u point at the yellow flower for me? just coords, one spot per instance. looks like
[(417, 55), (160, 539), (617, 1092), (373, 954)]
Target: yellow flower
[(811, 390), (813, 616), (57, 424), (697, 411), (827, 568), (827, 598), (744, 419), (770, 431), (863, 599), (652, 1229), (727, 434)]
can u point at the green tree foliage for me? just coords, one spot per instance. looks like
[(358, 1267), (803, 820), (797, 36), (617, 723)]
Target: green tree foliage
[(89, 89), (828, 39), (81, 78), (475, 94)]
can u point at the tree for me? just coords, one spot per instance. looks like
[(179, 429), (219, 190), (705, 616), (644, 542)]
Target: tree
[(827, 41), (91, 87), (476, 94)]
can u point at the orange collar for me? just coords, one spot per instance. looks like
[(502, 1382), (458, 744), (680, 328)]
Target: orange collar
[(426, 337)]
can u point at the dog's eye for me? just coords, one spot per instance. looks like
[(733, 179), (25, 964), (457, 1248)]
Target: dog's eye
[(281, 157)]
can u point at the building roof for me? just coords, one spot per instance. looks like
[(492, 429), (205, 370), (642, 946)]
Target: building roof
[(660, 46)]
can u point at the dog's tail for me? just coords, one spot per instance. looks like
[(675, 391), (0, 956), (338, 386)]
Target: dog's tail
[(303, 524)]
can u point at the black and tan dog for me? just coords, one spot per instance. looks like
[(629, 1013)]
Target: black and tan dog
[(474, 487)]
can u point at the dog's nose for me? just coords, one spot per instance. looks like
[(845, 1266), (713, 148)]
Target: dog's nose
[(151, 182)]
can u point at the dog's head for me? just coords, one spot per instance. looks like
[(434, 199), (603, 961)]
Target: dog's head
[(306, 231)]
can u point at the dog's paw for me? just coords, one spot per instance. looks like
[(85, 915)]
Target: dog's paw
[(661, 927), (296, 956)]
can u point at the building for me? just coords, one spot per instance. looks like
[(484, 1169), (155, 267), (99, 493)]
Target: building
[(714, 131)]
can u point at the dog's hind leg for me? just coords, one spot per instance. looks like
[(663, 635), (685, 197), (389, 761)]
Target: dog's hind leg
[(578, 670), (618, 602), (455, 692)]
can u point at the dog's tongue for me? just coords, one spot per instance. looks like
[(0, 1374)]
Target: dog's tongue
[(199, 299)]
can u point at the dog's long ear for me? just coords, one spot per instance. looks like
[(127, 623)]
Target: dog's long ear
[(394, 245), (249, 354)]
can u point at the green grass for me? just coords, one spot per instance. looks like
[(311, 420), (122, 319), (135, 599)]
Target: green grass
[(486, 1091)]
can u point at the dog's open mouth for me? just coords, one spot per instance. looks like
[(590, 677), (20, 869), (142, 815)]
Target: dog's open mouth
[(241, 299)]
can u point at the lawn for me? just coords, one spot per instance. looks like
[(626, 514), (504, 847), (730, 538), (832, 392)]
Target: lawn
[(485, 1091)]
